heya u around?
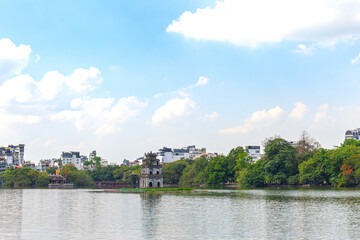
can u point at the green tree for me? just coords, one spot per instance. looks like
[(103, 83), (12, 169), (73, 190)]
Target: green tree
[(173, 171), (194, 173), (254, 175), (351, 142), (220, 170), (280, 161), (313, 171), (75, 176), (51, 170)]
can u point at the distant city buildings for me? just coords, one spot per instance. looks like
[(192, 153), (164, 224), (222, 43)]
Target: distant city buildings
[(353, 134), (92, 155), (13, 154), (166, 155), (253, 152), (72, 158)]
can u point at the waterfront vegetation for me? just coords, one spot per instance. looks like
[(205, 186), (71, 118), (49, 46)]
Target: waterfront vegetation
[(24, 177), (282, 164), (153, 190)]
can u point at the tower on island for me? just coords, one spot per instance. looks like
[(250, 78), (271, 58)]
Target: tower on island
[(151, 172)]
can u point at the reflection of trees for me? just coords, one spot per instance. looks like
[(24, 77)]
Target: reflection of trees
[(150, 208), (11, 213)]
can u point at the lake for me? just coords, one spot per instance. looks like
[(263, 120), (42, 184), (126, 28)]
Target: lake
[(216, 214)]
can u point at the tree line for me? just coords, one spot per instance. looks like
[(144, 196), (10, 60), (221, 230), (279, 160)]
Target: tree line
[(27, 177), (282, 164)]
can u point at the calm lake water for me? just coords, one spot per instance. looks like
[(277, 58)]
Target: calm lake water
[(218, 214)]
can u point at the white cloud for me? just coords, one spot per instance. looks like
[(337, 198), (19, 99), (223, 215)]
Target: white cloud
[(102, 115), (173, 108), (201, 82), (258, 119), (182, 93), (12, 59), (355, 60), (299, 111), (10, 118), (212, 115), (24, 89), (50, 85), (19, 89), (83, 80), (250, 23), (322, 113), (304, 50)]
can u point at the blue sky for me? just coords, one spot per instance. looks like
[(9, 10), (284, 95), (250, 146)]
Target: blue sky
[(127, 77)]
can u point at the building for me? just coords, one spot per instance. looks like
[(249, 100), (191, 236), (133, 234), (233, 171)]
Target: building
[(71, 158), (125, 162), (166, 155), (353, 134), (92, 155), (44, 164), (151, 172), (3, 165), (13, 154), (254, 152), (28, 164)]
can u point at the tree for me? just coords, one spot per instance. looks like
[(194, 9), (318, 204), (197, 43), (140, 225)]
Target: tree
[(351, 142), (306, 147), (194, 172), (173, 171), (313, 171), (254, 175), (97, 161), (221, 169), (51, 170), (280, 161), (243, 161), (75, 176)]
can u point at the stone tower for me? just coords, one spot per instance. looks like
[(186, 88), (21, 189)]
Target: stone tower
[(151, 172)]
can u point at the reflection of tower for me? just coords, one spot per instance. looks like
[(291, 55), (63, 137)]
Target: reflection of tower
[(151, 172), (151, 204)]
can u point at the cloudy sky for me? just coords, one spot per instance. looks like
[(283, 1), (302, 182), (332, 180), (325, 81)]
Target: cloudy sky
[(127, 77)]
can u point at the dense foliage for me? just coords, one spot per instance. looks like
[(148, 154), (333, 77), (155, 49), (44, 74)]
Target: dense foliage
[(282, 164), (24, 177), (75, 176), (116, 173)]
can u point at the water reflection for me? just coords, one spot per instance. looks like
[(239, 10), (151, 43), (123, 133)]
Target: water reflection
[(150, 203), (11, 213), (216, 214)]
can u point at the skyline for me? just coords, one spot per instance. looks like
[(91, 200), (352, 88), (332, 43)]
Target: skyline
[(124, 78)]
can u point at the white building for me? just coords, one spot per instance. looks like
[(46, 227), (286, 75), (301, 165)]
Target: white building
[(353, 134), (166, 155), (254, 152), (71, 158), (44, 164), (92, 155), (13, 154)]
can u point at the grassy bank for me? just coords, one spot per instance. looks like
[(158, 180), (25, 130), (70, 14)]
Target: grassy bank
[(152, 190)]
